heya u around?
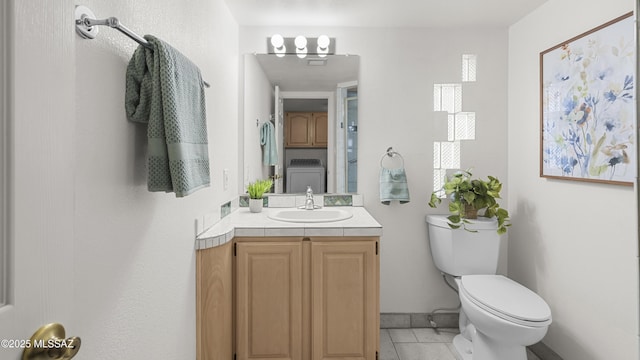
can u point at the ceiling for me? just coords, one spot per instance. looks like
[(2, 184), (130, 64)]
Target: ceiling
[(294, 74), (381, 13)]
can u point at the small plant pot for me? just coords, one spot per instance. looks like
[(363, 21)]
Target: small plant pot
[(470, 212), (255, 205)]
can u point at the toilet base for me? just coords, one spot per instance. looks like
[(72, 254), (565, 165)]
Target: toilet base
[(485, 349), (464, 347)]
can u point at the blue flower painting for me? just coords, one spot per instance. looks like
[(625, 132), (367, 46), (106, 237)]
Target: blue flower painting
[(588, 112)]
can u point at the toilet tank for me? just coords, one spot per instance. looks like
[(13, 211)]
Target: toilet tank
[(460, 252)]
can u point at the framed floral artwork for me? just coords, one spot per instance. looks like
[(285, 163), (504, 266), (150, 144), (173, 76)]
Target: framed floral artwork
[(588, 106)]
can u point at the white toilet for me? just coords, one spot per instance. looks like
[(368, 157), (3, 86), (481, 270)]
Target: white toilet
[(499, 317)]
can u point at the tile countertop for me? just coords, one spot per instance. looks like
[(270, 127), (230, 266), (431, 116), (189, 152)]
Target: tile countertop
[(242, 222)]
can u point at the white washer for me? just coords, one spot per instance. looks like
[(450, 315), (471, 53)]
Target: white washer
[(305, 172)]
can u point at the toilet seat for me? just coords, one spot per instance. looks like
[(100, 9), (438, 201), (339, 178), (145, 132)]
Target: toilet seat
[(506, 299)]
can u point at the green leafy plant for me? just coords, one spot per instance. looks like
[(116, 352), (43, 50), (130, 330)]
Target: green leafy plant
[(467, 196), (258, 188)]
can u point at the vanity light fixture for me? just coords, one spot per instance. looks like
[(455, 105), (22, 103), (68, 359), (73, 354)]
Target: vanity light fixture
[(304, 46)]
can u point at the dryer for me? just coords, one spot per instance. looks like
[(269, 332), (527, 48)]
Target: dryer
[(305, 172)]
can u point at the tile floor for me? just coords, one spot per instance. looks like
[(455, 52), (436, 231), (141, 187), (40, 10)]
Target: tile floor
[(421, 344)]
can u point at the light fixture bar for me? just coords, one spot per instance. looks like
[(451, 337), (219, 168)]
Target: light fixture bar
[(313, 46)]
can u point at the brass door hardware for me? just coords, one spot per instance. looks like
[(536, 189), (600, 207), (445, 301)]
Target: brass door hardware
[(49, 342)]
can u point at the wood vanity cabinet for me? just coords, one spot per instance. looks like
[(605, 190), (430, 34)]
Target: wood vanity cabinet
[(306, 129), (306, 299)]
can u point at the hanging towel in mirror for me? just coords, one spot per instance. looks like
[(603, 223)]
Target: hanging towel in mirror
[(268, 142), (165, 90), (393, 186)]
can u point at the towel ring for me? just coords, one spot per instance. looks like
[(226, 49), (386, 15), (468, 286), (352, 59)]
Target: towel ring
[(392, 153)]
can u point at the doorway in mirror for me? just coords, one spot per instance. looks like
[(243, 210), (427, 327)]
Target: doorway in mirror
[(305, 144)]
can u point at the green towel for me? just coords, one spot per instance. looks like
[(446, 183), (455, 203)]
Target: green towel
[(165, 90), (393, 186), (268, 142)]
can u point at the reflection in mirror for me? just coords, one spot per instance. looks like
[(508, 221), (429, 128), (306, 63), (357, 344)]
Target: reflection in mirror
[(312, 107)]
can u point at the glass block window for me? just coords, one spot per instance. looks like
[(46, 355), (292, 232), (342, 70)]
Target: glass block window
[(451, 127), (447, 97), (465, 126), (439, 176), (461, 126), (450, 155), (469, 63), (446, 155)]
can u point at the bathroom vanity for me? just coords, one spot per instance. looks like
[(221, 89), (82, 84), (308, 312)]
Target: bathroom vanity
[(289, 290)]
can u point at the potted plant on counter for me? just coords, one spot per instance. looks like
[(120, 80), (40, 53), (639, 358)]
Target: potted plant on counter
[(256, 191), (467, 196)]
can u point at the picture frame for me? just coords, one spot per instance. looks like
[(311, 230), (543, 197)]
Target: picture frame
[(588, 106)]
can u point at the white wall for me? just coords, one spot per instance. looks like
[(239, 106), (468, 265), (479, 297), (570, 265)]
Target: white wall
[(258, 102), (574, 243), (134, 263), (398, 68)]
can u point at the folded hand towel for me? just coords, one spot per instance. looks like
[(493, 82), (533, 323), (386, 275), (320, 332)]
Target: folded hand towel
[(165, 90), (268, 142), (393, 186)]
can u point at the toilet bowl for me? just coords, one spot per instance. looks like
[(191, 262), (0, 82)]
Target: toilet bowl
[(499, 317), (506, 316)]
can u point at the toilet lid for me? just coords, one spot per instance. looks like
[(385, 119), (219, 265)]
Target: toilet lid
[(507, 299)]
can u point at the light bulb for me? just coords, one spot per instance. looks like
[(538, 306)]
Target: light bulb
[(281, 51), (277, 41), (323, 42), (301, 42), (322, 52)]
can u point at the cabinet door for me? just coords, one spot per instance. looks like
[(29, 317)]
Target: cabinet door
[(344, 300), (214, 303), (320, 129), (268, 301), (299, 129)]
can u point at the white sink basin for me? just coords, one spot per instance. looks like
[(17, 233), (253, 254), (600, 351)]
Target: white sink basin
[(311, 216)]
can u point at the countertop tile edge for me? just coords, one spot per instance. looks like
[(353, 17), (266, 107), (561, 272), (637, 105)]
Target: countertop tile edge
[(235, 224)]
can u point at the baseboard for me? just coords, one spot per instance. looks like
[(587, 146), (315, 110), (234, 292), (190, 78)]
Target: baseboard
[(447, 320), (417, 320), (544, 352)]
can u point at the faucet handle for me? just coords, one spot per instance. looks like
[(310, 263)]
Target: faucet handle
[(309, 190)]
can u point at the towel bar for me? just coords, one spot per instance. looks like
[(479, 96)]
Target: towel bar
[(86, 27)]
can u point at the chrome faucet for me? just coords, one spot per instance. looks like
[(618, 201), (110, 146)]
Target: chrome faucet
[(308, 202)]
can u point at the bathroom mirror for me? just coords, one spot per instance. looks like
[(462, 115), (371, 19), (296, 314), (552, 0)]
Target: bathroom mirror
[(322, 94)]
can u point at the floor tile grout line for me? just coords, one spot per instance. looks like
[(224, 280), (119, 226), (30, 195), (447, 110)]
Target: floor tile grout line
[(396, 350)]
